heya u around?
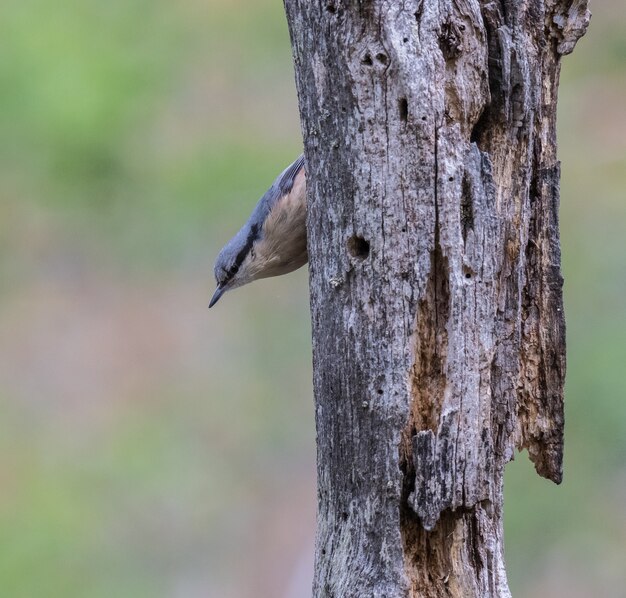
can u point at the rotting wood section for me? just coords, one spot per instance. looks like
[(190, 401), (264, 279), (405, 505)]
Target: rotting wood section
[(438, 330)]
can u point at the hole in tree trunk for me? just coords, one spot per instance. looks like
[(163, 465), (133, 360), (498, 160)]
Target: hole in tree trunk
[(404, 109), (467, 209), (358, 247)]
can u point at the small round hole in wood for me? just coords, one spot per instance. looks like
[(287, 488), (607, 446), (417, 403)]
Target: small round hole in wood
[(358, 247)]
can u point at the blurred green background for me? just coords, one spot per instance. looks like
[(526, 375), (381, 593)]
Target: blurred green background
[(151, 448)]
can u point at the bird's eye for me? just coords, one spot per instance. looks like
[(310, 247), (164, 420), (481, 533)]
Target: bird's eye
[(234, 270)]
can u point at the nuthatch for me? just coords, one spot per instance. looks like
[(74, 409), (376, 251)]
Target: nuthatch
[(273, 240)]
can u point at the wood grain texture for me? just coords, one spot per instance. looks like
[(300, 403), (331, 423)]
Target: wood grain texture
[(438, 330)]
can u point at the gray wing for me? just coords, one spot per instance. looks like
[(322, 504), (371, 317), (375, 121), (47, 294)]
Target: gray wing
[(281, 186)]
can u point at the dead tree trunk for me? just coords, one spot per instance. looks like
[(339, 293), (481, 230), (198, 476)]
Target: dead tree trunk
[(438, 331)]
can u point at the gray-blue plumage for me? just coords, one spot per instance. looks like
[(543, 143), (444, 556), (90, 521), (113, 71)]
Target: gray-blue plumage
[(273, 240), (281, 186)]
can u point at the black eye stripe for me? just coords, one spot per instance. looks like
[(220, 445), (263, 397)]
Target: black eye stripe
[(229, 273), (252, 235)]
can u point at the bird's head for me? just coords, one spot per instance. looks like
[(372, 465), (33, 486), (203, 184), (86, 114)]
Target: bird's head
[(234, 266)]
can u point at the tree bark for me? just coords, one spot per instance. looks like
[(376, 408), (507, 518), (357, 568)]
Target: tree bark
[(438, 330)]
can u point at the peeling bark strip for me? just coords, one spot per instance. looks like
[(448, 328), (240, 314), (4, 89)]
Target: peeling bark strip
[(438, 331)]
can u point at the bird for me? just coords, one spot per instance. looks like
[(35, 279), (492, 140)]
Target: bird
[(273, 240)]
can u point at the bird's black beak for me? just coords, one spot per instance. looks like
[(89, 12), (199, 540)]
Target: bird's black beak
[(219, 291)]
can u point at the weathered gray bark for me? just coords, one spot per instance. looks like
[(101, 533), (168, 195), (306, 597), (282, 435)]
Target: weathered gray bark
[(438, 331)]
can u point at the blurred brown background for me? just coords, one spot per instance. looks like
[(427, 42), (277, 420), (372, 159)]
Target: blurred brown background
[(151, 448)]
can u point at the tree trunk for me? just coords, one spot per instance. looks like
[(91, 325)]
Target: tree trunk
[(438, 331)]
